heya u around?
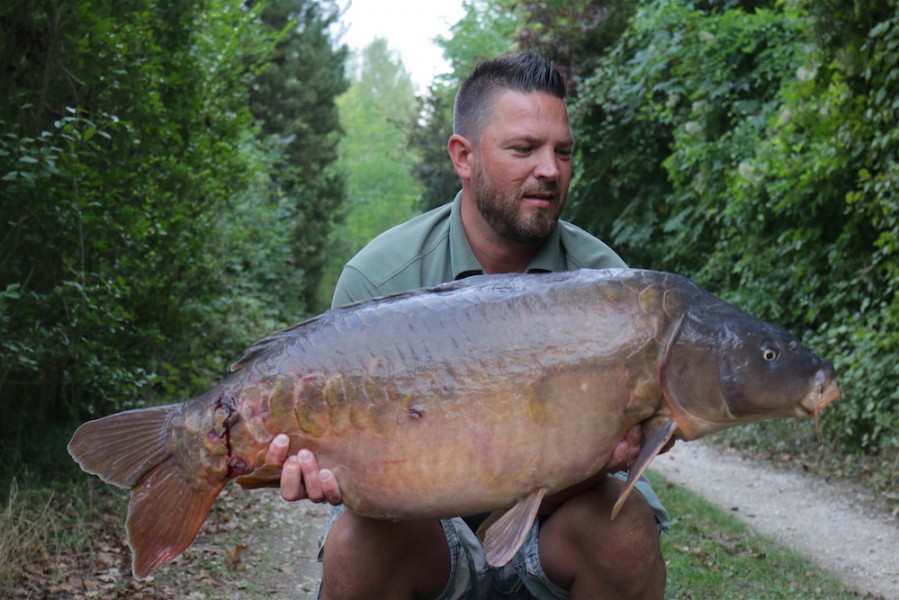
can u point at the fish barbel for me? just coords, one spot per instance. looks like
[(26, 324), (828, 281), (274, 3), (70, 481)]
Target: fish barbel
[(474, 396)]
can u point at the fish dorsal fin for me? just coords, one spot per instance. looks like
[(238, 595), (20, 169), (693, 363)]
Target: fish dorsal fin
[(506, 534), (651, 448)]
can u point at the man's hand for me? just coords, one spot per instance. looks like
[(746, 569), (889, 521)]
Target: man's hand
[(623, 458), (300, 476), (626, 451)]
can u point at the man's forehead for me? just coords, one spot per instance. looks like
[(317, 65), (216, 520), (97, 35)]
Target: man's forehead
[(508, 98), (525, 112)]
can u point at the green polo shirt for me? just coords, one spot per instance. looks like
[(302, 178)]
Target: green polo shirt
[(432, 248)]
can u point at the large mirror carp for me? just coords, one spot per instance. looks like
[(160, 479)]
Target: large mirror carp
[(474, 396)]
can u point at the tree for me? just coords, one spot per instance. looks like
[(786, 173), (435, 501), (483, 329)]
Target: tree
[(140, 228), (376, 113), (574, 34), (428, 137), (295, 100), (748, 145)]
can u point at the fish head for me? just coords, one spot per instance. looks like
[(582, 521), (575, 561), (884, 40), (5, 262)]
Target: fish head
[(727, 368)]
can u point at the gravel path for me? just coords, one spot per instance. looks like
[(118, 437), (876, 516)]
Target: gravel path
[(824, 521), (290, 545)]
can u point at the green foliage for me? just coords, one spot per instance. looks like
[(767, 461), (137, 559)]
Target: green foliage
[(294, 98), (753, 149), (486, 30), (127, 183), (144, 239), (377, 113), (573, 33), (428, 139)]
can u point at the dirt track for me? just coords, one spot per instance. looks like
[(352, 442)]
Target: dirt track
[(826, 522)]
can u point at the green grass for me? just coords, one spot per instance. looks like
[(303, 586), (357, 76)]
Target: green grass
[(712, 555)]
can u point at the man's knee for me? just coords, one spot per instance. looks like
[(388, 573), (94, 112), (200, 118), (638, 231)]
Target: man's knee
[(634, 535), (582, 547), (366, 558)]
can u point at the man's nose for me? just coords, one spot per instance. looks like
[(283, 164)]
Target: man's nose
[(547, 166)]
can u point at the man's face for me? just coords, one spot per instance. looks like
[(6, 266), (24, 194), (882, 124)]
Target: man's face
[(522, 165)]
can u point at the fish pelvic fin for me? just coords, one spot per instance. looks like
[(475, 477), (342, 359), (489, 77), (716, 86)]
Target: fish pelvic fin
[(507, 533), (168, 504), (652, 446), (266, 476)]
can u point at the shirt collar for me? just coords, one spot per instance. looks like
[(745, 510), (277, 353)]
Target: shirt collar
[(549, 257)]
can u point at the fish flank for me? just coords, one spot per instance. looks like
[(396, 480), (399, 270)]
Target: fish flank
[(235, 465), (311, 408)]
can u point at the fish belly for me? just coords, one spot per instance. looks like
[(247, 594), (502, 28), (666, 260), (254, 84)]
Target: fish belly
[(478, 452)]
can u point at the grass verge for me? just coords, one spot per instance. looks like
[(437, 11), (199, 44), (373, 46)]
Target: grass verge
[(27, 528), (712, 555)]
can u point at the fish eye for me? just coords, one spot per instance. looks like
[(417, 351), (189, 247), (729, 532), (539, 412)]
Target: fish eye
[(769, 352)]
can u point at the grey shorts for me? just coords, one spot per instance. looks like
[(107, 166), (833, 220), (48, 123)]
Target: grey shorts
[(471, 578)]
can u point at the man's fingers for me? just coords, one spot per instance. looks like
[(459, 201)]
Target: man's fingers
[(626, 451), (635, 435), (311, 480), (300, 475), (292, 480), (330, 487), (277, 450)]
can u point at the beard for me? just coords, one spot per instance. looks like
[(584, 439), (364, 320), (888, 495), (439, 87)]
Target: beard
[(509, 218)]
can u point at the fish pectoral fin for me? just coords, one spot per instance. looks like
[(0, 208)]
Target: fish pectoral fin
[(266, 476), (651, 448), (507, 533)]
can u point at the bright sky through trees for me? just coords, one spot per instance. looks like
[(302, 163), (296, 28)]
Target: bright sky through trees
[(409, 26)]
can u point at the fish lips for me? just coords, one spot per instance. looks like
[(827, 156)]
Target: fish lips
[(826, 392)]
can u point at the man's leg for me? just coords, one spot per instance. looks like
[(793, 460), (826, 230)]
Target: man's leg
[(371, 558), (584, 551)]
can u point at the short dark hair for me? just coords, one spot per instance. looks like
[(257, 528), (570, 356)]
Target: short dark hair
[(522, 72)]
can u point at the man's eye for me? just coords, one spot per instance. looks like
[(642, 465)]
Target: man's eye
[(522, 149)]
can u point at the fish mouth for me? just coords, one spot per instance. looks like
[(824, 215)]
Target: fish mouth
[(826, 392)]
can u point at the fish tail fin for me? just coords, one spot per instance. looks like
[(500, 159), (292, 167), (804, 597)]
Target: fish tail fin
[(168, 504)]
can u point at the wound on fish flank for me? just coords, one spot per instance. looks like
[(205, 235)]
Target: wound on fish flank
[(477, 396)]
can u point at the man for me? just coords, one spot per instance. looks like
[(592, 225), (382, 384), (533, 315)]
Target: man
[(512, 148)]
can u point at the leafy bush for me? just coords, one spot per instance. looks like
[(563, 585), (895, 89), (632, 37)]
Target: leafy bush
[(753, 149), (145, 238)]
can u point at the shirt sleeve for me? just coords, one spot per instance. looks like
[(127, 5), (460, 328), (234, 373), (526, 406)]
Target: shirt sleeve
[(352, 286)]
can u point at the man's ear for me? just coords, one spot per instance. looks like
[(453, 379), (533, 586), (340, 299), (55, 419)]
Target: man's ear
[(460, 150)]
